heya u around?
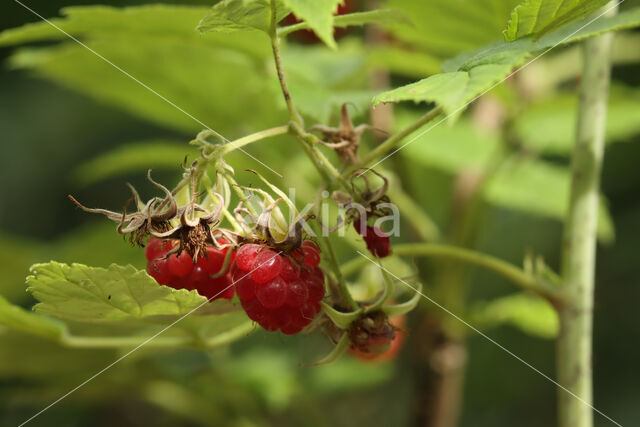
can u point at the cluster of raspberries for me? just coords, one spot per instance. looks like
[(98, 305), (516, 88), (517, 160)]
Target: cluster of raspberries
[(180, 272), (278, 291)]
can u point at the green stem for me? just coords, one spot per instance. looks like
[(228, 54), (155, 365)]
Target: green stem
[(275, 47), (503, 268), (246, 140), (574, 346), (159, 341), (392, 141), (342, 286)]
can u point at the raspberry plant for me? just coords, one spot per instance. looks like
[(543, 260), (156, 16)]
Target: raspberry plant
[(229, 252)]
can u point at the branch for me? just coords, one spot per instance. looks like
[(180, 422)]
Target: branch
[(514, 274)]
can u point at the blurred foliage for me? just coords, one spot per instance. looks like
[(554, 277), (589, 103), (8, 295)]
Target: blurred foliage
[(60, 142)]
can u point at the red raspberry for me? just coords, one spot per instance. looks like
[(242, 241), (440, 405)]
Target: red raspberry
[(378, 242), (266, 267), (159, 270), (246, 255), (179, 271), (278, 291), (180, 265)]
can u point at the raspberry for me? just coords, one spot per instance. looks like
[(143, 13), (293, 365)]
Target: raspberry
[(180, 265), (246, 255), (272, 294), (159, 270), (179, 271), (279, 291), (266, 267), (378, 242)]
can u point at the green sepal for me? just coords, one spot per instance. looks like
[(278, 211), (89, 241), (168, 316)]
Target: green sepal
[(405, 307), (340, 348), (340, 319)]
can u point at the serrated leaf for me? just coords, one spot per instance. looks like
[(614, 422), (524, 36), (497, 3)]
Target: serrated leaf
[(90, 294), (133, 157), (530, 314), (452, 91), (16, 317), (471, 74), (380, 16), (318, 14), (538, 17), (239, 15)]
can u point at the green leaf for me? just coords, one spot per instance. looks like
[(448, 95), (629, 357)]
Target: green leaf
[(80, 293), (133, 157), (16, 317), (190, 69), (541, 189), (380, 16), (453, 91), (239, 15), (549, 126), (537, 17), (471, 74), (318, 14), (443, 28), (530, 314)]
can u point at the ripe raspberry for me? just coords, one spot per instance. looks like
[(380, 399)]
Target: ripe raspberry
[(378, 242), (266, 267), (180, 265), (179, 271), (279, 292)]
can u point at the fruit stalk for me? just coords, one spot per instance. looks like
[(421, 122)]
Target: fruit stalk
[(574, 347)]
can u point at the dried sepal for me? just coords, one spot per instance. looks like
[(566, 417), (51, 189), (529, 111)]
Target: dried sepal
[(345, 139), (150, 217)]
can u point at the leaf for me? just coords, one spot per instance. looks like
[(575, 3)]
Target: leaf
[(239, 15), (537, 17), (530, 314), (443, 28), (453, 91), (80, 293), (541, 189), (549, 126), (189, 69), (318, 14), (471, 74), (528, 185), (133, 157), (16, 317), (379, 16)]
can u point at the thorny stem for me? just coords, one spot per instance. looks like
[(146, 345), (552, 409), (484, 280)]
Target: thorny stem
[(574, 345), (240, 193), (392, 141), (516, 275)]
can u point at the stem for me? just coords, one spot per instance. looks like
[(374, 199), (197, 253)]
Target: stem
[(342, 286), (246, 140), (516, 275), (275, 47), (573, 357), (391, 142)]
